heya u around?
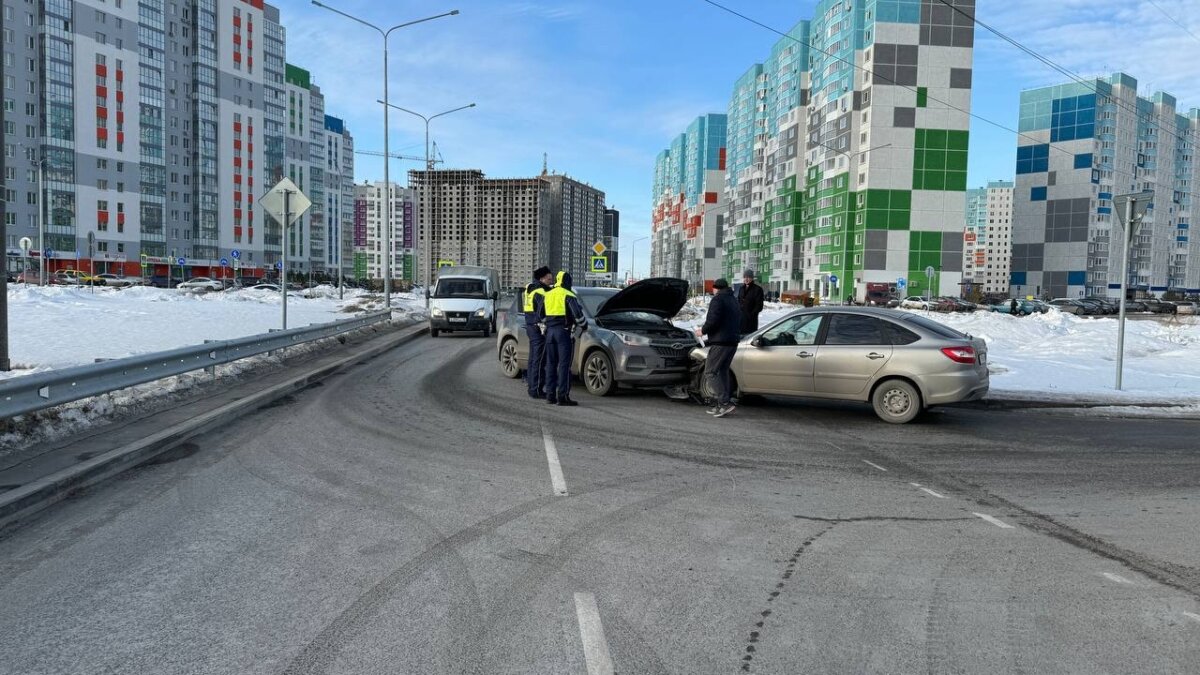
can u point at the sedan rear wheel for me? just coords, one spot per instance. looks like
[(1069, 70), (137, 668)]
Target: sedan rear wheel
[(508, 359), (896, 401), (598, 376)]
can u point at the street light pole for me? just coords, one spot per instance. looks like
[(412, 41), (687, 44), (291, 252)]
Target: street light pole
[(387, 204), (425, 184)]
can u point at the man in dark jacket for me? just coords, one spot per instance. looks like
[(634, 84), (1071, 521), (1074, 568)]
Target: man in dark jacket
[(751, 301), (721, 326), (542, 279)]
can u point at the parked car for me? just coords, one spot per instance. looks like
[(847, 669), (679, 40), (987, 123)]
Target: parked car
[(266, 287), (901, 363), (1069, 305), (1185, 307), (1042, 307), (73, 278), (917, 302), (630, 339), (1159, 307), (201, 284), (116, 280), (28, 277), (1024, 307), (1106, 305)]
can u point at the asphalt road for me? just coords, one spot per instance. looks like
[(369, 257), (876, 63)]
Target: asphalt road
[(406, 518)]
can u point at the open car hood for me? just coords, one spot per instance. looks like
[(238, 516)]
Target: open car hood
[(662, 296)]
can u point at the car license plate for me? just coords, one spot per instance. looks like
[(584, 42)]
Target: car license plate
[(453, 320)]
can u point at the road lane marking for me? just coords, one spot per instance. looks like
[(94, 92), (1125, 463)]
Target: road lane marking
[(995, 521), (1115, 577), (595, 647), (925, 489), (1192, 615), (556, 475), (867, 461)]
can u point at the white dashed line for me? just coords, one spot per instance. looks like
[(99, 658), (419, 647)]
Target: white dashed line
[(556, 475), (995, 521), (925, 489), (1115, 577), (595, 647), (869, 462), (1192, 615)]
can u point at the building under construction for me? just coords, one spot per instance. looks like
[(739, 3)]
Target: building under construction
[(513, 225)]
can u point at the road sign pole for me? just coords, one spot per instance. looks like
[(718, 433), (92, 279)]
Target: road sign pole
[(287, 216), (1130, 226)]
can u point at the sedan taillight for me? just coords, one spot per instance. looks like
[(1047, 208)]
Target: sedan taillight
[(960, 354)]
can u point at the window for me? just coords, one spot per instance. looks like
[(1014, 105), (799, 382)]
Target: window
[(796, 331), (852, 329)]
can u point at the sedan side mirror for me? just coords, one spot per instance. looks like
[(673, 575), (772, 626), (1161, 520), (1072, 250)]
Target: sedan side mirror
[(757, 342)]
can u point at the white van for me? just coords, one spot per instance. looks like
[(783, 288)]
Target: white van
[(464, 299)]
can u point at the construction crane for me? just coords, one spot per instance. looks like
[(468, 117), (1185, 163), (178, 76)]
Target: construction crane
[(435, 157)]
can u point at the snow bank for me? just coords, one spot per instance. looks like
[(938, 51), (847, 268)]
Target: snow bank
[(60, 326), (1058, 356)]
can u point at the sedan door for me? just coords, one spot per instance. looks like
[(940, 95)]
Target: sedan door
[(856, 347), (780, 360)]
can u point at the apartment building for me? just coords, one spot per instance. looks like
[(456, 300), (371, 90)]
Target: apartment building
[(369, 201), (987, 238), (847, 151), (1082, 144), (153, 125), (690, 204)]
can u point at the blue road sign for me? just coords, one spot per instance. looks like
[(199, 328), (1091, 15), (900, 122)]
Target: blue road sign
[(224, 262), (279, 265), (235, 254), (901, 282), (181, 262), (833, 278), (48, 253)]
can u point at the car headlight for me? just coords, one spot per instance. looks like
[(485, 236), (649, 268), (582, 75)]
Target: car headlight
[(481, 313), (633, 340), (437, 312)]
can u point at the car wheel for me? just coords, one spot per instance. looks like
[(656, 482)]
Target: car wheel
[(433, 332), (896, 401), (509, 365), (735, 392), (598, 376)]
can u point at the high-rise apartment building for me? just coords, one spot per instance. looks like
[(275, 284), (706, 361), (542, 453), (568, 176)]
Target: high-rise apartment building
[(339, 197), (576, 223), (1081, 145), (690, 204), (512, 225), (403, 216), (847, 150), (156, 125), (304, 158), (987, 238)]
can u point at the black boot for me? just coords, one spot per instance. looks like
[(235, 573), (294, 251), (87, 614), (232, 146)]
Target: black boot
[(566, 401), (551, 400)]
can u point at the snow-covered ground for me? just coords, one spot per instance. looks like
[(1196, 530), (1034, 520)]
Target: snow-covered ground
[(60, 326), (1063, 357)]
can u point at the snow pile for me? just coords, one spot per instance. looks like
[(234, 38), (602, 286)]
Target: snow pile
[(61, 326), (1059, 356)]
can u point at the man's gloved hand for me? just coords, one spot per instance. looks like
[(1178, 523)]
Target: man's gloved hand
[(542, 328)]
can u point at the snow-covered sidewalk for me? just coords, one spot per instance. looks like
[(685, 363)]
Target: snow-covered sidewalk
[(61, 326), (1060, 357)]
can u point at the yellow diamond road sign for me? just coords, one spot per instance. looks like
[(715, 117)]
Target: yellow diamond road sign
[(599, 248)]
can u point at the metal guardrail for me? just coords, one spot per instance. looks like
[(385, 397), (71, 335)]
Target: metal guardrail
[(26, 394)]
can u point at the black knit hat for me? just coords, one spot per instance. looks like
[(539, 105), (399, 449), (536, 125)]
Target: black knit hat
[(720, 284), (541, 272)]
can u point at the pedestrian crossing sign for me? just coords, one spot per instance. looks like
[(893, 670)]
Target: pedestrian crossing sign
[(599, 264)]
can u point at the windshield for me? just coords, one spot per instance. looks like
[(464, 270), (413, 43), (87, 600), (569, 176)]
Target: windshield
[(460, 288), (593, 300)]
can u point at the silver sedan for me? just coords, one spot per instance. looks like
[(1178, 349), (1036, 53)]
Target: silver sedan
[(900, 362)]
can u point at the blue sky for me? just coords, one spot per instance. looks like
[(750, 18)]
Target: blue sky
[(602, 86)]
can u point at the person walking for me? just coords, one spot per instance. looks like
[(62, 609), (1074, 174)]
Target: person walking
[(535, 293), (563, 312), (1012, 307), (750, 299), (722, 327)]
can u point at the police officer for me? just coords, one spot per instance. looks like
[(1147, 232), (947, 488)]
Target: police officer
[(562, 312), (534, 294)]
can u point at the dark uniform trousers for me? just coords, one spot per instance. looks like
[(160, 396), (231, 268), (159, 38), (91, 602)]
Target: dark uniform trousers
[(535, 377), (558, 362)]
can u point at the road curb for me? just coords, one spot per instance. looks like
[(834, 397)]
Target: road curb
[(1113, 407), (19, 504)]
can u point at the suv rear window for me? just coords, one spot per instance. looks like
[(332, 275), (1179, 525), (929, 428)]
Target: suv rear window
[(934, 327)]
